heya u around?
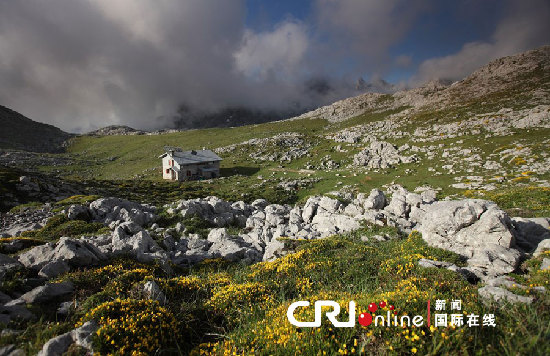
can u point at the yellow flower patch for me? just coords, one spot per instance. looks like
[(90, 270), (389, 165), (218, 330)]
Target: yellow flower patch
[(132, 326)]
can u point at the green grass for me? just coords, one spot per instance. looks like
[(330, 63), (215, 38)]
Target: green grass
[(525, 201), (59, 225), (33, 205)]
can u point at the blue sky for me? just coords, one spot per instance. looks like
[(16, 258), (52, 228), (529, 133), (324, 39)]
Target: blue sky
[(441, 29), (86, 64)]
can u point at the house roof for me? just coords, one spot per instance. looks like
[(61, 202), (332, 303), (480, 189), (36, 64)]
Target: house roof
[(191, 157)]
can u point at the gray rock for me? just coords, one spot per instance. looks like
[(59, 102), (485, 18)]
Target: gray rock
[(310, 209), (152, 291), (530, 232), (169, 243), (353, 210), (65, 308), (423, 262), (15, 302), (180, 228), (57, 346), (54, 269), (466, 225), (500, 294), (329, 224), (504, 281), (260, 203), (235, 249), (376, 200), (15, 312), (7, 264), (11, 350), (48, 292), (541, 247), (107, 210), (77, 253), (81, 336), (140, 245), (78, 212), (329, 205), (545, 264), (11, 332), (274, 249), (398, 206), (380, 155), (217, 235), (428, 196), (496, 259)]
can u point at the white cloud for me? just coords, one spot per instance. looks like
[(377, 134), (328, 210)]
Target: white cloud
[(277, 53)]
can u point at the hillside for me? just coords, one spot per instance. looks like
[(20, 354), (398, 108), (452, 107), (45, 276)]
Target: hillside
[(431, 201), (486, 140), (21, 133)]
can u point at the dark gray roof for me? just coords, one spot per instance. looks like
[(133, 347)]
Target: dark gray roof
[(190, 157)]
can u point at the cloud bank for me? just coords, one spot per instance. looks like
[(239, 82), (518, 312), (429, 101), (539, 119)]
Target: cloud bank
[(85, 64)]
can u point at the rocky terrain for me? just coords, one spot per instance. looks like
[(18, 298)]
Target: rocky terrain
[(115, 130), (491, 243), (440, 192)]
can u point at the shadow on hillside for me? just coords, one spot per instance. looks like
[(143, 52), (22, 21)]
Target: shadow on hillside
[(245, 171)]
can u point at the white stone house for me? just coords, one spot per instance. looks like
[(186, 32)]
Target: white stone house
[(189, 165)]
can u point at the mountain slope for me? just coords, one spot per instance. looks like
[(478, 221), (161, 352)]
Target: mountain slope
[(21, 133)]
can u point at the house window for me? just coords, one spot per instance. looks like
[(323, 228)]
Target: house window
[(188, 173), (167, 170)]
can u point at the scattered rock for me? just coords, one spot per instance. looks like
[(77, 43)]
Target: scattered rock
[(54, 269), (81, 336), (499, 294), (78, 212), (380, 155), (7, 264), (11, 350), (152, 291), (76, 253), (376, 200), (434, 264), (48, 292)]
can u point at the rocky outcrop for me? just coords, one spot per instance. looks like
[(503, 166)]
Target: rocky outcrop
[(81, 336), (381, 155), (76, 253), (13, 224), (499, 294), (7, 264), (109, 210), (48, 292), (115, 130), (475, 229)]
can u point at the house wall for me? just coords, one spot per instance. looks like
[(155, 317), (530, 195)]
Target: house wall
[(165, 166), (194, 169)]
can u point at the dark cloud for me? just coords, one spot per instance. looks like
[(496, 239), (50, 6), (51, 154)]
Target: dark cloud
[(83, 64)]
